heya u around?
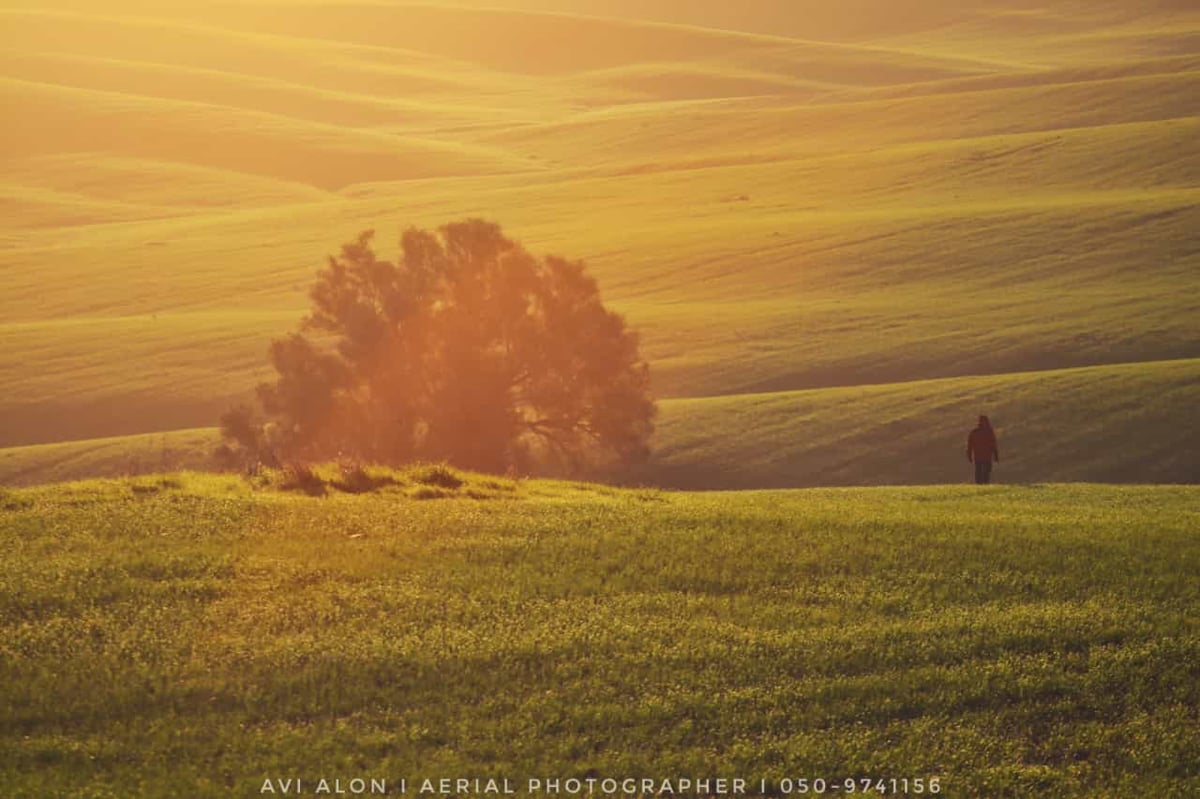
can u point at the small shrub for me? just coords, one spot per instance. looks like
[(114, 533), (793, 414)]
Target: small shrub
[(439, 475), (302, 479), (355, 479)]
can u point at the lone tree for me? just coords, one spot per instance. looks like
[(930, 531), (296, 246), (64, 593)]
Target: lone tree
[(467, 349)]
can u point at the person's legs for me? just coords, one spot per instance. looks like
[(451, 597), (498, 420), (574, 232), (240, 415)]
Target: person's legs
[(983, 472)]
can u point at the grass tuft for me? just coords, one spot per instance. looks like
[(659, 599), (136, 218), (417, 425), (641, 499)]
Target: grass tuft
[(439, 475), (355, 478)]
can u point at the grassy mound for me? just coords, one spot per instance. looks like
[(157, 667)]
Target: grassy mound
[(200, 634)]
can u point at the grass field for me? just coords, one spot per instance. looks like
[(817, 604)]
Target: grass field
[(196, 635), (841, 230), (781, 197)]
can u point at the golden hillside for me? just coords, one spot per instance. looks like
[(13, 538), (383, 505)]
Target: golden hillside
[(781, 196)]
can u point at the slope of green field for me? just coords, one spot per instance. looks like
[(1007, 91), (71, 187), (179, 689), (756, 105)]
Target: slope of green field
[(778, 196), (187, 635), (1058, 425), (116, 455), (1062, 425)]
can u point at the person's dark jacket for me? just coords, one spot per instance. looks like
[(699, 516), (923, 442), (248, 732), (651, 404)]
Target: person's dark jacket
[(981, 445)]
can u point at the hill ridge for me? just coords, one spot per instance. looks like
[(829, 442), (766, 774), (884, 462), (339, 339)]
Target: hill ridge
[(863, 201)]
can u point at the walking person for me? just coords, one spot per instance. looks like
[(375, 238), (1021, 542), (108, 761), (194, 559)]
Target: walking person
[(982, 450)]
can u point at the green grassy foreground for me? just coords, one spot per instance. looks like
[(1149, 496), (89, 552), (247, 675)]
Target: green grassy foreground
[(194, 635)]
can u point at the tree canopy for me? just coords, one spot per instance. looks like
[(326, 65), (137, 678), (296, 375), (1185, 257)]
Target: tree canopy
[(467, 349)]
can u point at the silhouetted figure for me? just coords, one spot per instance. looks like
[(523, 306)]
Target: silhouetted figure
[(982, 450)]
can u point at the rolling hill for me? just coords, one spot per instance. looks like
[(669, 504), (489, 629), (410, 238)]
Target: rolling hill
[(841, 234)]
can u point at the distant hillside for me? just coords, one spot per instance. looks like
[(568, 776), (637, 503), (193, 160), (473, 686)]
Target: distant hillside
[(1062, 425), (1055, 426), (781, 198)]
